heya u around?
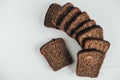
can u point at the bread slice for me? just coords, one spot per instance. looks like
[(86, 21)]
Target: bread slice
[(86, 24), (89, 62), (94, 31), (99, 44), (62, 13), (81, 18), (69, 18), (51, 12), (56, 53)]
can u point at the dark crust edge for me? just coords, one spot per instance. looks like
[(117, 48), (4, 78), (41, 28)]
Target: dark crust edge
[(71, 20), (78, 26), (91, 38), (88, 50), (62, 17), (86, 30)]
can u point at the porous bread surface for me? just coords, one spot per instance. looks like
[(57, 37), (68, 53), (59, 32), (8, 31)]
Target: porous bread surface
[(89, 63), (56, 53), (95, 43)]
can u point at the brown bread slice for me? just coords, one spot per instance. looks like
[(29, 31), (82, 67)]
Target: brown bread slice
[(51, 12), (94, 31), (87, 24), (81, 18), (56, 53), (99, 44), (89, 62), (62, 13), (69, 18)]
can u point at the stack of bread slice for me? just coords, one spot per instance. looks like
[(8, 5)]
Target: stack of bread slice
[(78, 25)]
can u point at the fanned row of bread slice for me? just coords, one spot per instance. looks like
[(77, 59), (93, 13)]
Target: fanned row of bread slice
[(78, 25)]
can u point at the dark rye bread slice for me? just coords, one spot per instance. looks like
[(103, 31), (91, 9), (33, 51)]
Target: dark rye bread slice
[(86, 24), (81, 18), (69, 18), (62, 13), (89, 62), (51, 12), (99, 44), (94, 31), (56, 53)]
